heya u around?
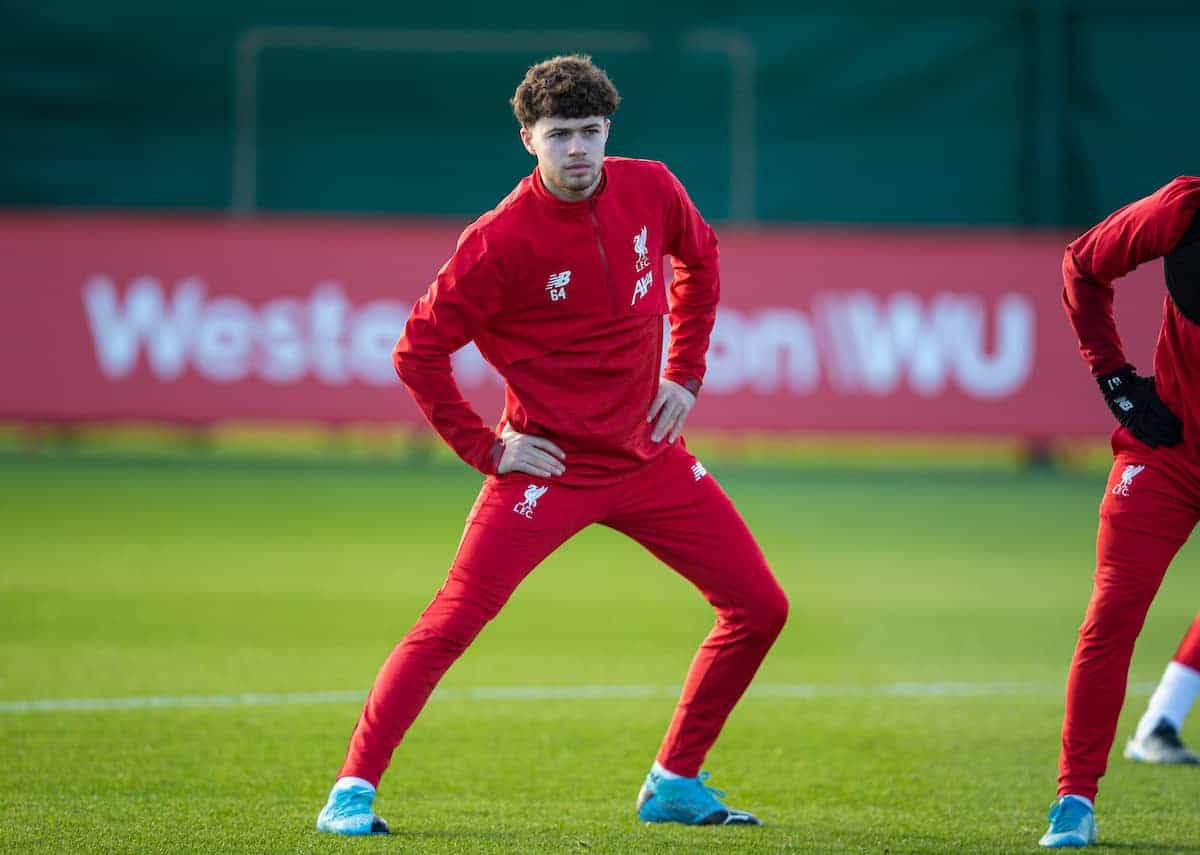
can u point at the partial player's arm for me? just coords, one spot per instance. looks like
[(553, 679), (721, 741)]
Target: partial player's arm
[(452, 312), (1143, 230), (692, 301), (694, 291)]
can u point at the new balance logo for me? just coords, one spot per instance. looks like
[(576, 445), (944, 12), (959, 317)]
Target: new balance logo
[(556, 285), (1127, 477), (698, 470), (642, 286), (532, 493)]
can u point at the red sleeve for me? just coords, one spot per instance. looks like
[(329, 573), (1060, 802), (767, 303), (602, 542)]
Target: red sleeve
[(694, 290), (1143, 230), (452, 312)]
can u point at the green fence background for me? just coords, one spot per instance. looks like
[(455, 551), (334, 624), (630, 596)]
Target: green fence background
[(996, 113)]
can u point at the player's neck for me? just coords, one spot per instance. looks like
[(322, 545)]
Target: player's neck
[(565, 195)]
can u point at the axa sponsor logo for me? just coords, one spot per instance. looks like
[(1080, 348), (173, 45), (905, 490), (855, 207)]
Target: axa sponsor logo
[(642, 287)]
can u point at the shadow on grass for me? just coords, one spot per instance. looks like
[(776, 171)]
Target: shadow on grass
[(447, 835), (803, 835)]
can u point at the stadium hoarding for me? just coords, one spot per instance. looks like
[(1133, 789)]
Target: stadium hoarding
[(197, 320)]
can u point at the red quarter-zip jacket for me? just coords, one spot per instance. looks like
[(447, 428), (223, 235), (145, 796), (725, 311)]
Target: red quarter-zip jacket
[(566, 300), (1164, 224)]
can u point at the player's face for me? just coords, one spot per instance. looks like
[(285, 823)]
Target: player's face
[(569, 152)]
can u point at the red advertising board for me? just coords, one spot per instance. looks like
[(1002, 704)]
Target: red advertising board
[(182, 319)]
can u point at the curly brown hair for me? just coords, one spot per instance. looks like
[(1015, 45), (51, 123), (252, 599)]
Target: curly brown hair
[(569, 87)]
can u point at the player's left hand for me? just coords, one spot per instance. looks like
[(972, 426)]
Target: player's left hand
[(1135, 402), (671, 405)]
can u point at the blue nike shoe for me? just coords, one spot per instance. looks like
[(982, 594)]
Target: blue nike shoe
[(687, 801), (1072, 823), (348, 811)]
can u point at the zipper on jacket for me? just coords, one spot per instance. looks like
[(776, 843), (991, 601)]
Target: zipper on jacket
[(612, 289)]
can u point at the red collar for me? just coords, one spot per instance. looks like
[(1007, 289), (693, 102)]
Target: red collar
[(583, 206)]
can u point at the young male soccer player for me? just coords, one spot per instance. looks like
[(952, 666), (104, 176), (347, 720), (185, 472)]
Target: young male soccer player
[(1156, 739), (1152, 499), (561, 288)]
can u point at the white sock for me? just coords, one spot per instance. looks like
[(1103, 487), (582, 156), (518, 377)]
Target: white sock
[(659, 770), (350, 781), (1083, 799), (1172, 699)]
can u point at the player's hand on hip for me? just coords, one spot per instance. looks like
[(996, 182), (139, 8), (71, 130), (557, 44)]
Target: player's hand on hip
[(671, 407), (530, 454), (1135, 403)]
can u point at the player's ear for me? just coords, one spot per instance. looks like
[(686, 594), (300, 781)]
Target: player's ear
[(527, 140)]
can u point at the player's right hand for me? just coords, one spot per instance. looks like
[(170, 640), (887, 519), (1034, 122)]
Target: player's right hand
[(530, 454), (1137, 406)]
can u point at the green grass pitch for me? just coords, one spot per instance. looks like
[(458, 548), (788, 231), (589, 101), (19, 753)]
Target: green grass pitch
[(202, 578)]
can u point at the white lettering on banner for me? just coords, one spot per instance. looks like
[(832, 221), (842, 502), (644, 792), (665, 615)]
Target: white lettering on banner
[(773, 351), (471, 369), (284, 357), (373, 334), (882, 343), (866, 344), (223, 340), (120, 332), (328, 313), (1004, 372), (879, 345), (226, 339), (856, 341)]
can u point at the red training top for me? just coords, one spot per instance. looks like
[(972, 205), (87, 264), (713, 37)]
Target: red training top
[(1164, 224), (566, 300)]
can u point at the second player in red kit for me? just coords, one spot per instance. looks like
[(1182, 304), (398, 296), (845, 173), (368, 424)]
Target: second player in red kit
[(1152, 500), (561, 287)]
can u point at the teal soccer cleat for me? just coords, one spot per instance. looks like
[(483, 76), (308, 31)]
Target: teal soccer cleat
[(348, 811), (1072, 823), (687, 801)]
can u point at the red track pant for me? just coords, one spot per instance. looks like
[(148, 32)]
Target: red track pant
[(672, 508), (1189, 649), (1150, 506)]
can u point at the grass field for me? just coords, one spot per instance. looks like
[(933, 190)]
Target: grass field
[(207, 580)]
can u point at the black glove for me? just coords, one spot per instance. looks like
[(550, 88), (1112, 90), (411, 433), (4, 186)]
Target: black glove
[(1137, 406)]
